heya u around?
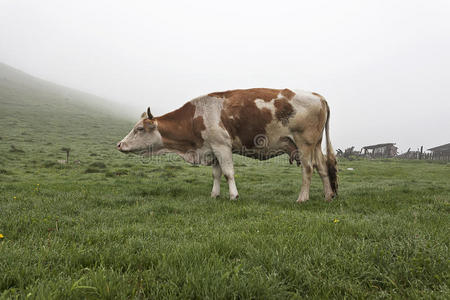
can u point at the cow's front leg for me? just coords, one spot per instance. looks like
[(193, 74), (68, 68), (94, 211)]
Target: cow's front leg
[(217, 174), (225, 158)]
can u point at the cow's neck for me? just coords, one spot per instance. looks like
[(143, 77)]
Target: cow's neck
[(172, 140), (176, 129)]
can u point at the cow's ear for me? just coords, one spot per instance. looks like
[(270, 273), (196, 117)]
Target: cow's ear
[(149, 114), (144, 115)]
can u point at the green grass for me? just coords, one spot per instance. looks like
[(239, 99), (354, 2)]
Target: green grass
[(118, 226)]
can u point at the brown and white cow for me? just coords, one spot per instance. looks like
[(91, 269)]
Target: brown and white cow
[(259, 123)]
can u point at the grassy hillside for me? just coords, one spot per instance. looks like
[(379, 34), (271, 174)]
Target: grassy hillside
[(35, 112), (118, 226)]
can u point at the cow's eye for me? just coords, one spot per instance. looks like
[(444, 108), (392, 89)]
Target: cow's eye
[(140, 128)]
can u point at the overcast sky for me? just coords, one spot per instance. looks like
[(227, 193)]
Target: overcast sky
[(382, 65)]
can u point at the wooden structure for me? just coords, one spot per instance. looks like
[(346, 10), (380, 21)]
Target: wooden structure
[(347, 153), (380, 150), (441, 152)]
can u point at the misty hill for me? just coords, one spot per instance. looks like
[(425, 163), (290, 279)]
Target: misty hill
[(40, 117)]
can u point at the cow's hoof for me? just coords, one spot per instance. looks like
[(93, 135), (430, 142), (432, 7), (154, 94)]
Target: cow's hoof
[(214, 195), (235, 197), (301, 200)]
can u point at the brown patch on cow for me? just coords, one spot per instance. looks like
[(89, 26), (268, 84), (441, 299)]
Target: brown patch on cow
[(253, 94), (180, 131), (198, 125), (283, 110), (243, 119), (248, 95), (288, 93)]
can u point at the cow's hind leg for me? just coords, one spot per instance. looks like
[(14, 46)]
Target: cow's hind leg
[(306, 158), (225, 158), (217, 174), (322, 169)]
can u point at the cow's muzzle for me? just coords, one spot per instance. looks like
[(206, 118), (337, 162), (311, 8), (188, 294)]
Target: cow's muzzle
[(121, 147)]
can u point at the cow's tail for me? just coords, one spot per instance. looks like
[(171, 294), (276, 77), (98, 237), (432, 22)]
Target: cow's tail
[(331, 158)]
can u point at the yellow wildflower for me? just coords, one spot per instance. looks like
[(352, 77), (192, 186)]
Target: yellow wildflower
[(1, 236), (335, 221), (14, 197)]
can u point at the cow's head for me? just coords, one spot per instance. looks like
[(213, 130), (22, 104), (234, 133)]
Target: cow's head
[(144, 138)]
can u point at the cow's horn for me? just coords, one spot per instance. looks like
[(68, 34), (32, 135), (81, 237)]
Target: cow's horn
[(149, 114)]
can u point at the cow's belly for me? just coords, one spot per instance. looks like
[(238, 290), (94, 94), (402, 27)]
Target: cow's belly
[(266, 147), (274, 140), (259, 153), (202, 156)]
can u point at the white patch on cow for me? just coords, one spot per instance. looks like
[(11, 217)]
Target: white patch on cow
[(217, 174), (210, 108), (306, 99), (305, 103), (302, 93), (266, 104)]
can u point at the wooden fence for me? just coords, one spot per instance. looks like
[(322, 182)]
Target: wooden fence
[(427, 156)]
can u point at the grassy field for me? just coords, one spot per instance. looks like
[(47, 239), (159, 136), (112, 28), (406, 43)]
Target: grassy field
[(118, 226)]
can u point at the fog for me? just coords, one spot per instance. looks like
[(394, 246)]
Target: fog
[(382, 65)]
